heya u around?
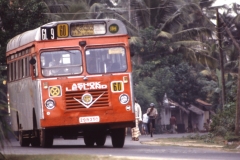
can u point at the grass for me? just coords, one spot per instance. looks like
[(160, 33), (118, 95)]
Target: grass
[(203, 141)]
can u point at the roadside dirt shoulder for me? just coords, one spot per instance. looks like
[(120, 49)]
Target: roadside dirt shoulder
[(185, 142)]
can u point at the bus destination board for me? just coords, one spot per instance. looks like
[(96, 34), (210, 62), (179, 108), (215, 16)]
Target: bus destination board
[(87, 29)]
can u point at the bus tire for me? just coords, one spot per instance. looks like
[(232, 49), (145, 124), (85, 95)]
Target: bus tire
[(118, 137), (46, 138), (88, 139), (35, 141), (101, 139), (24, 139), (35, 138)]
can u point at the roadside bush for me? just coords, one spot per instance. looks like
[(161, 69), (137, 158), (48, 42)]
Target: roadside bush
[(224, 121)]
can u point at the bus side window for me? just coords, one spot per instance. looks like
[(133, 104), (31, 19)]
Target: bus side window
[(33, 62), (35, 67)]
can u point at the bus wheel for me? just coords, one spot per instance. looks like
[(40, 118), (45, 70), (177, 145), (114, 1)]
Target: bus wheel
[(88, 139), (24, 139), (35, 141), (46, 138), (101, 139), (118, 137)]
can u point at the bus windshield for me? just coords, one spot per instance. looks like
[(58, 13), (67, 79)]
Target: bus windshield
[(61, 62), (106, 60)]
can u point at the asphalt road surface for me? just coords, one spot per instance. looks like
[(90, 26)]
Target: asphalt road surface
[(131, 149)]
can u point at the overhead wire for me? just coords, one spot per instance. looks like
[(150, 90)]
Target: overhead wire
[(123, 9)]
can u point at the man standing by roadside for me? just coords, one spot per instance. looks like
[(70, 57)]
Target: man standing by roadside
[(173, 123), (138, 119)]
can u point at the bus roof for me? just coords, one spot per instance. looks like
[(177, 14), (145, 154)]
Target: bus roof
[(69, 29)]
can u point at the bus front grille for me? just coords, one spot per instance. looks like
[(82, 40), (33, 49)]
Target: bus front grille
[(72, 104)]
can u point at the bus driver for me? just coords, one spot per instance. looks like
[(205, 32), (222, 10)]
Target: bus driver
[(56, 62)]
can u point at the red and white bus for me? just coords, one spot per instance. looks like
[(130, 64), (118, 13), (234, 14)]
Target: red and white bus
[(71, 79)]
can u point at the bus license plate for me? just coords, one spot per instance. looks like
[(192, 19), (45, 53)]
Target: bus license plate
[(89, 119)]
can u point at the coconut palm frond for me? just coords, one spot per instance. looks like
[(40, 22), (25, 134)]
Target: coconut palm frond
[(164, 34), (186, 15), (173, 24), (135, 40), (206, 72), (57, 8), (197, 44), (206, 4), (207, 23), (97, 9), (237, 21), (192, 33), (231, 66), (190, 55), (166, 10), (78, 9), (142, 14), (206, 60)]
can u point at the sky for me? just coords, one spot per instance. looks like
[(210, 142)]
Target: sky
[(225, 2), (222, 2)]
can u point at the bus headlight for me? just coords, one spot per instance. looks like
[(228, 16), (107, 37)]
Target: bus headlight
[(124, 98), (50, 103)]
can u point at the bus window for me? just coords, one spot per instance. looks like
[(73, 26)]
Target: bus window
[(64, 62), (22, 67), (9, 67), (14, 71), (35, 69), (27, 64), (106, 60)]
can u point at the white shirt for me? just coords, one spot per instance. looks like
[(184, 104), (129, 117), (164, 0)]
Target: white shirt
[(138, 111), (145, 118)]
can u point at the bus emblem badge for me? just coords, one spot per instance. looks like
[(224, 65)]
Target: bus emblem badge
[(87, 100)]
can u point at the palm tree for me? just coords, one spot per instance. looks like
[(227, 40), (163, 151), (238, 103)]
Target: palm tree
[(181, 33), (67, 10)]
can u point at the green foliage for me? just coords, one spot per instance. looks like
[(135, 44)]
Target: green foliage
[(4, 117), (188, 86), (17, 18), (179, 81), (224, 121), (144, 95)]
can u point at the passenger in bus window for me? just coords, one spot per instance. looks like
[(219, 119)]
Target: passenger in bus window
[(92, 67), (56, 62)]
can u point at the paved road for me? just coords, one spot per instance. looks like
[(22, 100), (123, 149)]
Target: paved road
[(131, 149)]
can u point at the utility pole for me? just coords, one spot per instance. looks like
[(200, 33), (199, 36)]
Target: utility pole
[(219, 35)]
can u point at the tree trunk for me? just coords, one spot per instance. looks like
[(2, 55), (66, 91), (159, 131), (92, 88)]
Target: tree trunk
[(237, 122), (221, 58), (238, 101)]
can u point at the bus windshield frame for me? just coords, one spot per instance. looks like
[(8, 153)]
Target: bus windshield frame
[(106, 60), (61, 62)]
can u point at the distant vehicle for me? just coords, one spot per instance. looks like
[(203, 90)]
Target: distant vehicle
[(71, 79)]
